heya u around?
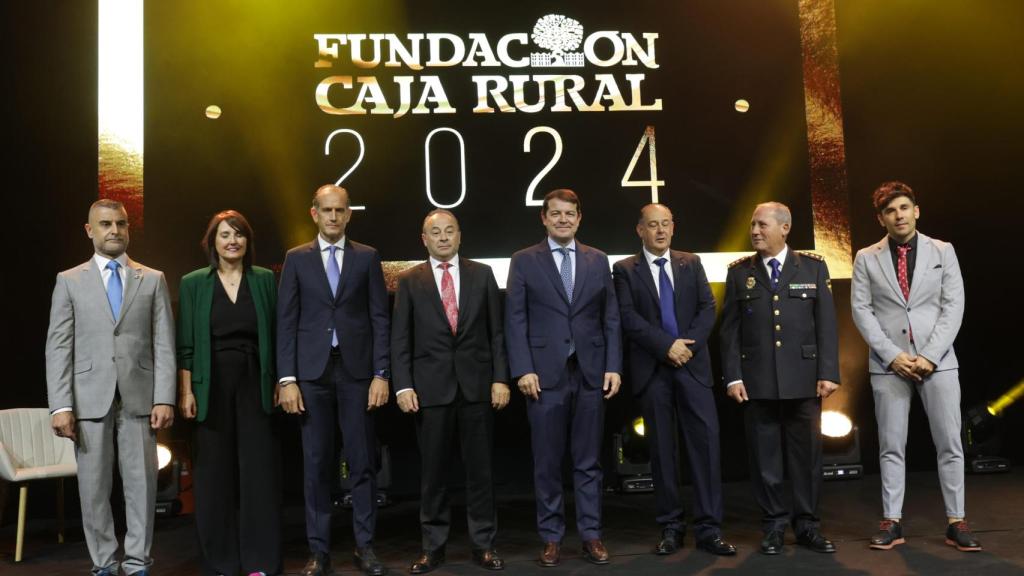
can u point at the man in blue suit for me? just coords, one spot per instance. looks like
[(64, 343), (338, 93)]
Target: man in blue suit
[(332, 339), (667, 312), (562, 333)]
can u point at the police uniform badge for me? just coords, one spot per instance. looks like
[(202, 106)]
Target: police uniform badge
[(750, 282)]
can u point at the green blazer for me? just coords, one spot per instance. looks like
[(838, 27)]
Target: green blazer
[(195, 300)]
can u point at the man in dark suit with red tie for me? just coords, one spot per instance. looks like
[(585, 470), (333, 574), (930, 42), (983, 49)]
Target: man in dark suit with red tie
[(450, 370), (332, 339), (667, 313), (564, 347)]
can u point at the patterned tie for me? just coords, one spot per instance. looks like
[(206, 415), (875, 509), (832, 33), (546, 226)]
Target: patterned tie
[(451, 305), (901, 270), (565, 271), (668, 301), (775, 272), (333, 277), (115, 290)]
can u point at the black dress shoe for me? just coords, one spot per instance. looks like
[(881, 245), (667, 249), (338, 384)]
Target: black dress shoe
[(427, 561), (670, 543), (488, 559), (717, 546), (890, 533), (771, 544), (958, 534), (366, 561), (814, 540), (318, 565), (595, 552)]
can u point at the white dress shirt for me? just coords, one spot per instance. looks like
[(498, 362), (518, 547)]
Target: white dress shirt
[(656, 270)]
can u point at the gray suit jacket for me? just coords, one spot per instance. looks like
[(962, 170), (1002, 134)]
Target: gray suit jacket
[(934, 310), (89, 355)]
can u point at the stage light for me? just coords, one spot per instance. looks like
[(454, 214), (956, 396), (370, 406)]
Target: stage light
[(163, 456), (981, 433), (638, 426), (840, 447), (213, 111), (835, 424), (742, 106), (632, 456)]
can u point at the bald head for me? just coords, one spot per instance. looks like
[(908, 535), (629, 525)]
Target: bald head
[(769, 228), (330, 189), (655, 228)]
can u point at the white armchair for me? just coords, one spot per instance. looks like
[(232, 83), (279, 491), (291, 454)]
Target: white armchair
[(29, 450)]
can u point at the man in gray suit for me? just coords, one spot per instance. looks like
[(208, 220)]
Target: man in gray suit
[(110, 367), (908, 301)]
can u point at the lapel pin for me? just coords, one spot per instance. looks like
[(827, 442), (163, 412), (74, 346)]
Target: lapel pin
[(750, 282)]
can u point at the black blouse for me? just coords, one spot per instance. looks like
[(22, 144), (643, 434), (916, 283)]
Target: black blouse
[(233, 324)]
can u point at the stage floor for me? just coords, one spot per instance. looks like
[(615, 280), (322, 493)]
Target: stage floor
[(850, 511)]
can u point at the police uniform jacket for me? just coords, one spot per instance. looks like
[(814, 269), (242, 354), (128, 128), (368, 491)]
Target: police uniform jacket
[(779, 342)]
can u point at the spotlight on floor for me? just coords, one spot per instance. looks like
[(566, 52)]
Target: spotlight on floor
[(981, 433), (633, 458), (173, 479), (840, 447)]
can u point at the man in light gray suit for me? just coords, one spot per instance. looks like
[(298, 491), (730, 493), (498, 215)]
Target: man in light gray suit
[(110, 367), (908, 301)]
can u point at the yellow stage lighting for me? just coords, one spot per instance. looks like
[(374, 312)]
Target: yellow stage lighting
[(835, 424), (1003, 402), (638, 426)]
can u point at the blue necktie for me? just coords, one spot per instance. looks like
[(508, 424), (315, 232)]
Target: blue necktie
[(668, 301), (333, 276), (565, 271), (775, 272), (115, 290)]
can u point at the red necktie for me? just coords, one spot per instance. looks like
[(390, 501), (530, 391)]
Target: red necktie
[(451, 306), (901, 270)]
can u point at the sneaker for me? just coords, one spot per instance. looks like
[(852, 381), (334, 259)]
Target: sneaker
[(958, 534), (890, 533)]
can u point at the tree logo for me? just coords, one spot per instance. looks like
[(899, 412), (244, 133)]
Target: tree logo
[(561, 35)]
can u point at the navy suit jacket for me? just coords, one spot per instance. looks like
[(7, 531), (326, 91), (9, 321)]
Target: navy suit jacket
[(640, 310), (540, 322), (306, 313)]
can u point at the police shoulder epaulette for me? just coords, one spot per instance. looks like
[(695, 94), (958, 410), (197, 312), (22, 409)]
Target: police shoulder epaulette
[(818, 257), (735, 263)]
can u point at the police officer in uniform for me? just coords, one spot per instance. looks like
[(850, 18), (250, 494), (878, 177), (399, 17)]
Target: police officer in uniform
[(780, 358)]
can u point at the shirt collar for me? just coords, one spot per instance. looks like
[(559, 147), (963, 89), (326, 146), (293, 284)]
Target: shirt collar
[(781, 257), (912, 243), (324, 244), (651, 257), (102, 260), (434, 263), (556, 246)]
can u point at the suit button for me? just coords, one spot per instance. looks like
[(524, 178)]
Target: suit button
[(778, 327), (113, 359), (778, 343), (908, 308), (566, 340), (904, 330), (743, 356), (775, 298), (777, 312), (117, 332)]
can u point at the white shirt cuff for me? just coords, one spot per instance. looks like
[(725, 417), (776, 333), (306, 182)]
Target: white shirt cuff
[(59, 410), (734, 382), (397, 394)]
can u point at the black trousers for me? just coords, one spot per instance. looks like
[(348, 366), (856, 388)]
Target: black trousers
[(237, 476), (793, 425), (437, 428)]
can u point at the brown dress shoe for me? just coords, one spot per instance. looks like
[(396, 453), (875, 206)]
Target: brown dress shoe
[(595, 552), (550, 555)]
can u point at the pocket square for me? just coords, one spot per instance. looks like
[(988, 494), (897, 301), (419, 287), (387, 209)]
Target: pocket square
[(937, 266)]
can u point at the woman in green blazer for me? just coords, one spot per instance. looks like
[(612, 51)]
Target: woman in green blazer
[(225, 342)]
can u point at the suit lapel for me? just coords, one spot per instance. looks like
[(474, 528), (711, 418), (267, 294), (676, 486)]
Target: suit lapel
[(348, 257), (94, 283), (582, 267), (467, 278), (316, 262), (884, 258), (546, 262), (643, 271), (425, 278), (925, 260), (132, 281), (789, 269), (760, 272)]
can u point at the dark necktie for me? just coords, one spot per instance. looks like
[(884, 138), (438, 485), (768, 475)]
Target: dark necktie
[(451, 306), (775, 272), (115, 290), (667, 300)]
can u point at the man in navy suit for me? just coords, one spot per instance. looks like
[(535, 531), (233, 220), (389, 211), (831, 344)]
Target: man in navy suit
[(667, 312), (332, 339), (562, 333)]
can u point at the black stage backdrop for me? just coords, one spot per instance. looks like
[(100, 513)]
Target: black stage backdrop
[(930, 96)]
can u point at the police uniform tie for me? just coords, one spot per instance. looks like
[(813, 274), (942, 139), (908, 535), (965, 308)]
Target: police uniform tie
[(667, 300), (333, 277), (775, 272), (451, 306), (115, 290)]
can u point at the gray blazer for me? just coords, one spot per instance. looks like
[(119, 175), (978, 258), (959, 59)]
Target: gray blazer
[(89, 355), (934, 310)]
